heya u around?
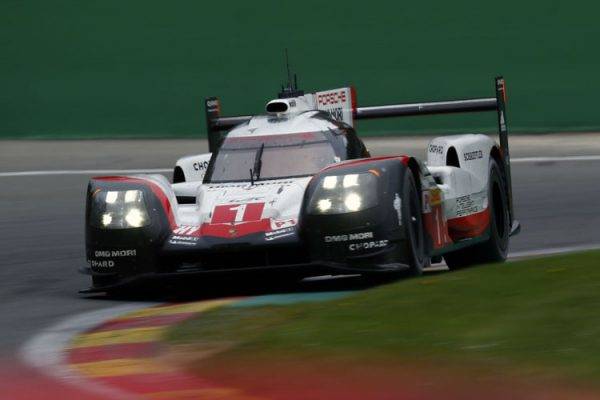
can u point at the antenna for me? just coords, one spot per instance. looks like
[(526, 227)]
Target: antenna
[(291, 90), (287, 66)]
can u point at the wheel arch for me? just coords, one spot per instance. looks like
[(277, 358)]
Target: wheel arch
[(496, 155), (178, 175), (452, 159), (415, 169)]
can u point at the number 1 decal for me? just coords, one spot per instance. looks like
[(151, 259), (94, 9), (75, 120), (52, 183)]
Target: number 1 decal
[(235, 213), (239, 212)]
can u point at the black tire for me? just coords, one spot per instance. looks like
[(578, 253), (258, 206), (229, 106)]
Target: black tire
[(495, 249), (412, 220)]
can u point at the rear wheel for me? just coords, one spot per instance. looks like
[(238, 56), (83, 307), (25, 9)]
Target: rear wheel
[(495, 249), (412, 220)]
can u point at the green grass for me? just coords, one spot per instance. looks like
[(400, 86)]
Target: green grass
[(142, 68), (539, 316)]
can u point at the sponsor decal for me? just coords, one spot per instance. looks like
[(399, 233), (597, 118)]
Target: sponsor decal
[(435, 197), (426, 200), (246, 185), (431, 198), (183, 240), (333, 97), (213, 106), (336, 113), (282, 223), (213, 103), (473, 155), (398, 207), (102, 264), (200, 166), (368, 245), (114, 253), (465, 205), (244, 199), (280, 233), (347, 238), (106, 257), (337, 103), (436, 149), (186, 230)]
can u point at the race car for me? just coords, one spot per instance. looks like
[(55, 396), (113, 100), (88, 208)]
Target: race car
[(296, 191)]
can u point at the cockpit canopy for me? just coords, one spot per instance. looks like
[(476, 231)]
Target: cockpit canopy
[(280, 156)]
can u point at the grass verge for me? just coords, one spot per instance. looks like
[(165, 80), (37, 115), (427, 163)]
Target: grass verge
[(535, 317)]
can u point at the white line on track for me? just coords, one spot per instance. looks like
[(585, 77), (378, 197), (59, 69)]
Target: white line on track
[(519, 255), (555, 159), (553, 251), (84, 172), (521, 160)]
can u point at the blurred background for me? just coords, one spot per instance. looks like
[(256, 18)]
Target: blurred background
[(93, 69)]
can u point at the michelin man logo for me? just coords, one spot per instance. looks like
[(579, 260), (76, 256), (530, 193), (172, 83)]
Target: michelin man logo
[(398, 207)]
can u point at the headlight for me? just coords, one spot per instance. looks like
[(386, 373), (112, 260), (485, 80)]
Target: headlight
[(339, 194), (118, 209)]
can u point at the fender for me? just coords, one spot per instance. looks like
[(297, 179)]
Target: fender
[(372, 235), (191, 168), (470, 152), (460, 165), (117, 253)]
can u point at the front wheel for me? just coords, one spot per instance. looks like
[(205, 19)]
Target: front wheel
[(412, 220)]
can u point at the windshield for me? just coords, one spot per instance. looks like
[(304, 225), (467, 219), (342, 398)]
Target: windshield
[(283, 156)]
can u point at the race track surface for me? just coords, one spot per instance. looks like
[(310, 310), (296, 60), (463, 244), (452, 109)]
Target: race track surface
[(42, 243)]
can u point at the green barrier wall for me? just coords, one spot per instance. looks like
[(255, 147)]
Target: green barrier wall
[(142, 68)]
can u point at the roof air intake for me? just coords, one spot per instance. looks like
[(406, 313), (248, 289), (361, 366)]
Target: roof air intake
[(277, 107)]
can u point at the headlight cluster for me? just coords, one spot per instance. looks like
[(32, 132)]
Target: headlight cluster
[(339, 194), (118, 209)]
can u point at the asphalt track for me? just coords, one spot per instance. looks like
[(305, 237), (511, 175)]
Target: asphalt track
[(41, 240)]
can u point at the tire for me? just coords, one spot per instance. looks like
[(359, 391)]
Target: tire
[(412, 220), (495, 249)]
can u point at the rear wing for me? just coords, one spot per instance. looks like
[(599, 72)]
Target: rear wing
[(497, 104), (216, 124)]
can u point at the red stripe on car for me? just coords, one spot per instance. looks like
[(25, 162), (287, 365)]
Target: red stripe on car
[(470, 226)]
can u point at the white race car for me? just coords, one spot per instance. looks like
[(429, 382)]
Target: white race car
[(296, 191)]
